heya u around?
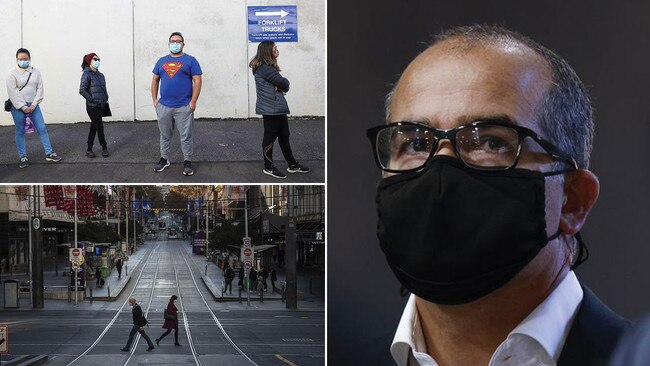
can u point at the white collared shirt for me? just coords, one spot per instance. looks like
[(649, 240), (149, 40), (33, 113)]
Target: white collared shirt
[(537, 341)]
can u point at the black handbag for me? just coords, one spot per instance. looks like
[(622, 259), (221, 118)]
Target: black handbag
[(107, 111), (168, 316), (8, 101)]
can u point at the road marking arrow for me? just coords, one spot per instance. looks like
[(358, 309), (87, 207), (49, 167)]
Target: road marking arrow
[(281, 13)]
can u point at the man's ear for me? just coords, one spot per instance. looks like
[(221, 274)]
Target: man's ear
[(581, 189)]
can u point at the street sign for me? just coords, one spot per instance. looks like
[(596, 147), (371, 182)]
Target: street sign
[(76, 265), (247, 255), (4, 338), (36, 222), (273, 23), (75, 254)]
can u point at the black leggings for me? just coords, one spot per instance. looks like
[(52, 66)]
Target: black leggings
[(96, 126), (169, 331), (276, 127)]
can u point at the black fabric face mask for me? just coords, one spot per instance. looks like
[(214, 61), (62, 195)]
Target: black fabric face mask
[(452, 234)]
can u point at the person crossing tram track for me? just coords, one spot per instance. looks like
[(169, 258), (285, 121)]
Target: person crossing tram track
[(161, 251), (119, 311)]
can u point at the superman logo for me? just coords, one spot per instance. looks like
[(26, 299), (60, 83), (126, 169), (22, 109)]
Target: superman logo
[(172, 68)]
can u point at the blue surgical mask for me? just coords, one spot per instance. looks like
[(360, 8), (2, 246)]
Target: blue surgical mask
[(23, 63), (175, 47), (96, 64)]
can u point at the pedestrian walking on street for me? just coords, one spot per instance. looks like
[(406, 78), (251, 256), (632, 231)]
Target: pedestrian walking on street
[(265, 275), (252, 279), (240, 283), (139, 321), (179, 77), (93, 89), (25, 90), (274, 277), (118, 264), (229, 275), (171, 321), (260, 282), (271, 104), (98, 276)]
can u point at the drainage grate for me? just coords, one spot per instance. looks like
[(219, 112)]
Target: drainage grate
[(303, 340)]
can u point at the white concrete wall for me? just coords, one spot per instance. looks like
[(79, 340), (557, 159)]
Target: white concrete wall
[(130, 36)]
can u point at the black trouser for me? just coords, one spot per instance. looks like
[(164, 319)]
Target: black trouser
[(119, 271), (169, 331), (96, 126), (228, 285), (276, 127)]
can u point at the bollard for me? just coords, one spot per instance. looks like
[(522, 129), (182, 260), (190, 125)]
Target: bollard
[(239, 294), (69, 295), (109, 292), (262, 295), (56, 269), (284, 293), (126, 266), (206, 269), (91, 295), (310, 285)]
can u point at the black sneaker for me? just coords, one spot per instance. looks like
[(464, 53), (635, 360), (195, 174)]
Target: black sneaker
[(150, 348), (53, 157), (274, 172), (162, 164), (124, 349), (90, 154), (297, 168), (187, 168), (105, 153), (24, 163)]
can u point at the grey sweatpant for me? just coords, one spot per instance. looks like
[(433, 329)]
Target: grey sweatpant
[(183, 117)]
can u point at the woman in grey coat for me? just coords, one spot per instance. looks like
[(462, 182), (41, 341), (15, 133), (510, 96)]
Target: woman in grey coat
[(93, 89), (272, 105)]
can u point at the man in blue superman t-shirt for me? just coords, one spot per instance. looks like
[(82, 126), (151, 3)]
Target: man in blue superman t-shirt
[(179, 75)]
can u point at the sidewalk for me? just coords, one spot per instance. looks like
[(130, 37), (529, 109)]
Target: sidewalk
[(224, 151), (56, 286), (115, 284), (215, 282)]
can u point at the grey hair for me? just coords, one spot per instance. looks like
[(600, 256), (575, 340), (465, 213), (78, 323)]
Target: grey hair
[(565, 115)]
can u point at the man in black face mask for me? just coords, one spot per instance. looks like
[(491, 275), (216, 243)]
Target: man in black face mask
[(484, 193)]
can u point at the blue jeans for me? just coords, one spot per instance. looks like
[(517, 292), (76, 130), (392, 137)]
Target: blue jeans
[(37, 117), (144, 335)]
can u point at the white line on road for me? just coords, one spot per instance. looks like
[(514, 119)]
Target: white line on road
[(185, 322), (116, 315), (214, 316)]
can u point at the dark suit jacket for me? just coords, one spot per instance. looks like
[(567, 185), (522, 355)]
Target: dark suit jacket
[(593, 336)]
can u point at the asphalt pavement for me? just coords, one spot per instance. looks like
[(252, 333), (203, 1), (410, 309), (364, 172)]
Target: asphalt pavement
[(210, 332), (225, 151)]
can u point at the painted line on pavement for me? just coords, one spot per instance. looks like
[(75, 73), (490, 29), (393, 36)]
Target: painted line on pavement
[(185, 322), (118, 311), (214, 317)]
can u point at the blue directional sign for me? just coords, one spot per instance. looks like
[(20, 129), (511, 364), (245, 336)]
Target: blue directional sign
[(273, 23)]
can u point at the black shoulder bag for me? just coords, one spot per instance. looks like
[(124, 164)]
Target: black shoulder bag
[(8, 101)]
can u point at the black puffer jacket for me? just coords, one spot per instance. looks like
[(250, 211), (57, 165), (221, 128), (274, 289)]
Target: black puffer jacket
[(270, 87), (93, 88)]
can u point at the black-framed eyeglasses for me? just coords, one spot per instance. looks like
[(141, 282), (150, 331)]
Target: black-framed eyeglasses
[(402, 147)]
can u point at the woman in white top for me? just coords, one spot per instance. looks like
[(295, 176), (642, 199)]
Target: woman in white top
[(25, 89)]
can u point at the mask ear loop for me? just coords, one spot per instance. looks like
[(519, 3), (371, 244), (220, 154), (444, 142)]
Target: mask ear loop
[(583, 252), (403, 291)]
